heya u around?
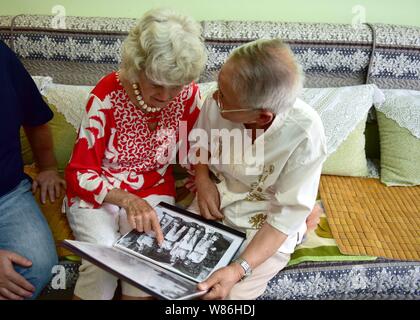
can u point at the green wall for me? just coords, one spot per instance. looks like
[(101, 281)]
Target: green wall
[(335, 11)]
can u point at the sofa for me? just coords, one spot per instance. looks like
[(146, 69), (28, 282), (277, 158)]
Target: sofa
[(352, 64)]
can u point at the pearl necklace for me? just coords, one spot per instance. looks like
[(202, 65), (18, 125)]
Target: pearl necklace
[(139, 98)]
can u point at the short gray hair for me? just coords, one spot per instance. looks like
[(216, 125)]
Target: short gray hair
[(167, 46), (267, 75)]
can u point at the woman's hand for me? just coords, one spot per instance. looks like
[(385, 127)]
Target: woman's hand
[(208, 198), (49, 181), (142, 216), (221, 282)]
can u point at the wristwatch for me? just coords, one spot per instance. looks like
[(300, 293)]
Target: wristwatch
[(245, 265)]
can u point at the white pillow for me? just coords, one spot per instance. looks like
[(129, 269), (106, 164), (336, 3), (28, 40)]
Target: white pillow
[(70, 100), (402, 106), (42, 82), (341, 109)]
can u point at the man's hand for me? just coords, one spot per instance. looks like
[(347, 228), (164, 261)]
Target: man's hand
[(12, 285), (142, 216), (314, 218), (208, 198), (221, 282), (49, 182)]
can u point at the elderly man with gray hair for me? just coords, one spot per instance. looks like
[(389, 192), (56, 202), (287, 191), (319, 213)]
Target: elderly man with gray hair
[(257, 94)]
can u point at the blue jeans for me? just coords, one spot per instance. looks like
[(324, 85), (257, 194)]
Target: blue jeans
[(24, 230)]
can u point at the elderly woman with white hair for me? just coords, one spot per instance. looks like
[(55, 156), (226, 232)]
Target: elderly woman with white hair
[(271, 195), (120, 167)]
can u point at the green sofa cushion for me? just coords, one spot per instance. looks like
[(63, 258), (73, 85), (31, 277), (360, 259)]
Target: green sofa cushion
[(400, 154), (350, 158), (64, 136)]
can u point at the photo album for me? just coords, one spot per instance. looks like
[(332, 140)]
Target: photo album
[(193, 248)]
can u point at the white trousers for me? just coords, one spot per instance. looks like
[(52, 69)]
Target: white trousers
[(103, 226)]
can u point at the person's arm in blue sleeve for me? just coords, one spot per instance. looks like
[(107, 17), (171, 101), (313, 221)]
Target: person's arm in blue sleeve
[(35, 115)]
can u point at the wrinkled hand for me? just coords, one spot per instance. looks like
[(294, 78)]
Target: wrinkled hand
[(12, 285), (49, 181), (314, 218), (208, 199), (221, 282), (142, 216)]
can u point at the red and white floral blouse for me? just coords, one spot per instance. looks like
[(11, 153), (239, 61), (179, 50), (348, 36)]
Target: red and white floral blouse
[(116, 149)]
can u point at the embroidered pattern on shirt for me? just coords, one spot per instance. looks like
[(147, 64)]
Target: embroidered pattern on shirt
[(257, 220), (256, 193), (138, 147)]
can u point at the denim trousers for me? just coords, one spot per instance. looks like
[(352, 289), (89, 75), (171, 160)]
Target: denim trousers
[(24, 230)]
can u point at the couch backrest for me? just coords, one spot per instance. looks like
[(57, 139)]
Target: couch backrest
[(331, 54)]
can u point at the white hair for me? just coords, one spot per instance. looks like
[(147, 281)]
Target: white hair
[(167, 46), (267, 75)]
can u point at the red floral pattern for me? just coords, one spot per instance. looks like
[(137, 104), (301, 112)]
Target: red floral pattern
[(116, 149)]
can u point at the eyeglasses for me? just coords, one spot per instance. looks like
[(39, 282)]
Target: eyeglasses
[(223, 110)]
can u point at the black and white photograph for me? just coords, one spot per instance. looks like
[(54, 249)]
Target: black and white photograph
[(191, 247), (160, 282)]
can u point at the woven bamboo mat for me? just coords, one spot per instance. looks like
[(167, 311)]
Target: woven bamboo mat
[(368, 218)]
